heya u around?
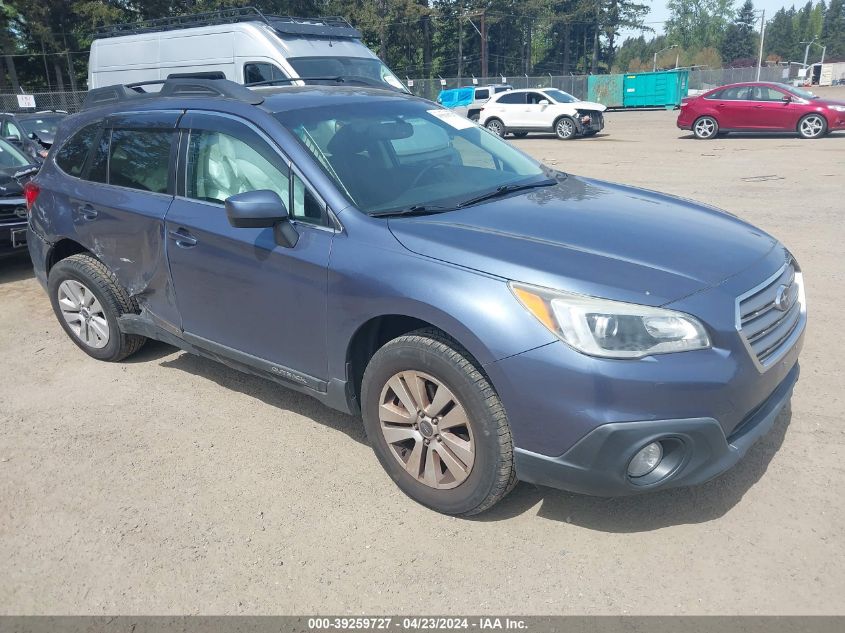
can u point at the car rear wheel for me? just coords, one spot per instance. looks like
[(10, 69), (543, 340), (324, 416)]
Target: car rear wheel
[(565, 128), (812, 126), (88, 301), (437, 425), (705, 127), (496, 126)]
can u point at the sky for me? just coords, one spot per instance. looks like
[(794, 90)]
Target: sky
[(659, 12)]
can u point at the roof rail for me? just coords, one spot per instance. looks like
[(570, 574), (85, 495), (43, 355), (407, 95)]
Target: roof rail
[(322, 27), (175, 87)]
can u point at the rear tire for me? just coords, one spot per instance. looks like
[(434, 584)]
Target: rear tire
[(812, 126), (409, 427), (496, 127), (88, 301), (705, 128)]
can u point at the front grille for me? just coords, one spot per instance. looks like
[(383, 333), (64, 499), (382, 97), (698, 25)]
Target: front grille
[(771, 316), (596, 117), (12, 213)]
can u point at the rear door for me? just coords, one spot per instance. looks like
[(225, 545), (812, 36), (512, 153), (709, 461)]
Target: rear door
[(508, 107), (117, 208), (735, 109), (239, 293)]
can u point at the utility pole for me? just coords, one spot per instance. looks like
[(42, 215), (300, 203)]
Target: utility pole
[(762, 39), (483, 32), (460, 47)]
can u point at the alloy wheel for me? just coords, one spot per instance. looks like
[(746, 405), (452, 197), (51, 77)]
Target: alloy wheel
[(495, 127), (565, 128), (82, 311), (705, 127), (426, 429), (812, 126)]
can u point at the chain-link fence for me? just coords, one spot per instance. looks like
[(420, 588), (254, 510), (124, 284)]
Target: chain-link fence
[(430, 88), (67, 101)]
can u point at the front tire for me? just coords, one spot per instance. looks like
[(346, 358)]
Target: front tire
[(812, 126), (705, 127), (565, 128), (437, 425), (496, 127), (88, 301)]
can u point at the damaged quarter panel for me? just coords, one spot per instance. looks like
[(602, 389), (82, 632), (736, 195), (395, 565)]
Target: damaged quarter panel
[(115, 211)]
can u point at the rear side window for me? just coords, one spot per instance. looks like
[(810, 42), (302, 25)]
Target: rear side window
[(482, 93), (140, 159), (512, 98), (73, 154)]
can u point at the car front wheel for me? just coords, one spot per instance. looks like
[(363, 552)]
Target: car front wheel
[(705, 127), (437, 425), (565, 128), (812, 126)]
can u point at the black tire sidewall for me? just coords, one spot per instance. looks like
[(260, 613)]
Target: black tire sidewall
[(69, 269), (403, 356), (820, 134), (574, 128), (705, 138)]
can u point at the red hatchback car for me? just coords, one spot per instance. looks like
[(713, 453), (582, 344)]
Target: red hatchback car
[(760, 107)]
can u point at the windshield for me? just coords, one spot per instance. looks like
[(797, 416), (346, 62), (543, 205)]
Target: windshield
[(560, 96), (398, 154), (10, 156), (369, 67), (46, 124), (804, 94)]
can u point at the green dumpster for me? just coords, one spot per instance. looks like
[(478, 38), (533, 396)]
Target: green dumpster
[(605, 89), (663, 89)]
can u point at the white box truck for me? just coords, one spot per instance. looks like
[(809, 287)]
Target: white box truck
[(243, 45)]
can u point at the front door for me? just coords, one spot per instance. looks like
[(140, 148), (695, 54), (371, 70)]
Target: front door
[(772, 112), (239, 293)]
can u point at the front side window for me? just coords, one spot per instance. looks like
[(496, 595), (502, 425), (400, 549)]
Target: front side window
[(10, 130), (534, 98), (221, 165), (764, 93), (260, 71), (140, 159), (391, 155), (73, 154)]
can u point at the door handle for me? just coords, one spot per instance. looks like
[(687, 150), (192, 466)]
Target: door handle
[(758, 107), (88, 212), (182, 238)]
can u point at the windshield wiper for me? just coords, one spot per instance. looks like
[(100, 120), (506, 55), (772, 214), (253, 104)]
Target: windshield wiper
[(417, 209), (506, 189)]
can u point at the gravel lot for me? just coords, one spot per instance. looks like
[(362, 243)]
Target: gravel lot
[(170, 484)]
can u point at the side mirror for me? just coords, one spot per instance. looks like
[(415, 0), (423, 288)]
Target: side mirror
[(262, 209), (544, 102), (12, 139), (786, 99)]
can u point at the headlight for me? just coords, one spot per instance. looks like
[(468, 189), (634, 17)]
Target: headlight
[(612, 329), (838, 108)]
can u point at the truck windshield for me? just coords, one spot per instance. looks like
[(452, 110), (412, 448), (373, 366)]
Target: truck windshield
[(404, 154), (368, 67)]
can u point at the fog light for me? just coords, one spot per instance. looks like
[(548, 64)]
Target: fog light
[(646, 460)]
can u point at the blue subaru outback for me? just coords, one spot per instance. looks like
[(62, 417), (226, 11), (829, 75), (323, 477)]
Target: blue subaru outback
[(490, 319)]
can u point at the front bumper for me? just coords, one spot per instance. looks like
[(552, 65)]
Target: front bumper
[(697, 451)]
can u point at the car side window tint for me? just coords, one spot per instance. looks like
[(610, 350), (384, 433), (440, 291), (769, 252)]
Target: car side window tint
[(512, 98), (304, 205), (221, 165), (255, 72), (10, 130), (764, 93), (534, 98), (738, 93), (74, 152), (140, 159), (98, 171), (482, 93)]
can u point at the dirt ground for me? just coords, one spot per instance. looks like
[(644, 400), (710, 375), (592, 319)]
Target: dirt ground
[(170, 484)]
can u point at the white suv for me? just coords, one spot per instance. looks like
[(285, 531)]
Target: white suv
[(542, 110)]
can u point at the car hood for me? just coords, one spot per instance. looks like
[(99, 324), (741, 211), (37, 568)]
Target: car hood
[(587, 105), (593, 238)]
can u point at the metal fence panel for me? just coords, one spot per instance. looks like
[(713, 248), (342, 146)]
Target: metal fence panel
[(67, 101)]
